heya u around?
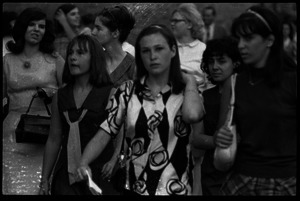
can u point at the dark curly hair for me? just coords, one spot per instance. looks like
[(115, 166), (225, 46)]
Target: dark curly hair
[(20, 28), (118, 18), (220, 47)]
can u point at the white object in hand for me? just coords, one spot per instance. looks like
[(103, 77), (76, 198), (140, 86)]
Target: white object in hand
[(224, 158), (93, 186)]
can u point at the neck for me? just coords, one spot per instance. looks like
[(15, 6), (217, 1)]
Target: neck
[(186, 39), (262, 62), (82, 82), (157, 82), (30, 50)]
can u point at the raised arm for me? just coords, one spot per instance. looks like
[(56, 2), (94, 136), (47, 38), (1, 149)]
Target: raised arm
[(192, 107)]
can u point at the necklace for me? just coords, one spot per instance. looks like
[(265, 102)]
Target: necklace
[(27, 64)]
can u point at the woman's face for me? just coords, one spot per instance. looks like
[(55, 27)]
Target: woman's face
[(101, 32), (156, 54), (35, 31), (220, 67), (73, 17), (254, 49), (79, 60), (179, 25)]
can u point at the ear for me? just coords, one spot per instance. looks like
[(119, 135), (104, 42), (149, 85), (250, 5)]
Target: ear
[(270, 40), (173, 50), (236, 64), (116, 33)]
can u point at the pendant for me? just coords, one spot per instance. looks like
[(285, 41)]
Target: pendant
[(27, 64)]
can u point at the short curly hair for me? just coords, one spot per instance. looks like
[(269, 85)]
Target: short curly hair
[(219, 47)]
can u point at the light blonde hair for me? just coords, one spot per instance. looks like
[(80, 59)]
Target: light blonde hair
[(191, 13)]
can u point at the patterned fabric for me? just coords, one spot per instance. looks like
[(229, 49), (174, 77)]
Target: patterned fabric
[(158, 139), (238, 184), (21, 162)]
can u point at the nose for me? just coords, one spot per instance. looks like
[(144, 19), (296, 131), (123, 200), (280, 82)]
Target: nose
[(241, 44), (36, 27), (215, 65), (153, 55)]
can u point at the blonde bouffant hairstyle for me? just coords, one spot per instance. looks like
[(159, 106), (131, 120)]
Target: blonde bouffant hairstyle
[(190, 12)]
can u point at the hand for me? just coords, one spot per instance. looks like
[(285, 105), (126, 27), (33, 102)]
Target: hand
[(223, 138), (81, 172), (108, 168), (60, 16), (44, 188), (188, 78)]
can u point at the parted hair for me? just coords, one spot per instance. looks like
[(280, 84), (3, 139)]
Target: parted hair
[(175, 76), (20, 28), (98, 71)]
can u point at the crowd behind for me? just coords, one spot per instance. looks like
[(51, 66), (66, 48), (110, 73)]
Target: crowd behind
[(148, 118)]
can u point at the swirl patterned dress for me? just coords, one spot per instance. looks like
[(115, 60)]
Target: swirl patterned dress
[(159, 160), (21, 165)]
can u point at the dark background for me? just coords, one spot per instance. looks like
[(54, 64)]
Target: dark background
[(147, 13)]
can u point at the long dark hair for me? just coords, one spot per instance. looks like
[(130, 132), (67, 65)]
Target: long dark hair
[(175, 76), (249, 23), (118, 18), (98, 71), (20, 27)]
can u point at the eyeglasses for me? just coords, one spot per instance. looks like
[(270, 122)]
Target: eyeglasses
[(175, 21)]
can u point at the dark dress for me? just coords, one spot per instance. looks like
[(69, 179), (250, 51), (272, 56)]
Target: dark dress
[(211, 178), (95, 104)]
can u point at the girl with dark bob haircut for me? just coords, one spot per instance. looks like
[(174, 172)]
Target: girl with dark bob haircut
[(98, 76), (175, 76), (77, 111), (20, 27)]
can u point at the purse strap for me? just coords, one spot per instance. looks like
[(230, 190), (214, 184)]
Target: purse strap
[(37, 94), (232, 99)]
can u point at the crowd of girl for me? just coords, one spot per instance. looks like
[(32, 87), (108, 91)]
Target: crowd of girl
[(161, 109)]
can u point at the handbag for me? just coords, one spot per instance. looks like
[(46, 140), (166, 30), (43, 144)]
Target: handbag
[(224, 158), (34, 128)]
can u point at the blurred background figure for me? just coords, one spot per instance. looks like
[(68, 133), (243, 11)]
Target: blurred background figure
[(289, 43), (67, 24), (212, 30), (8, 21), (32, 63), (187, 26), (87, 21)]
